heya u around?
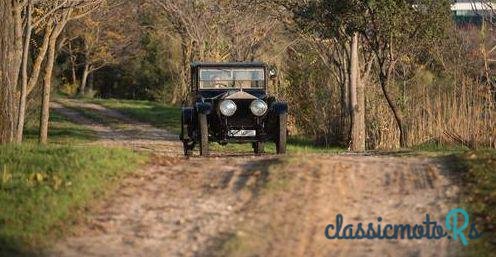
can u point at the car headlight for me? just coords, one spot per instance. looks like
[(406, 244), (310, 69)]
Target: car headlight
[(258, 107), (228, 108)]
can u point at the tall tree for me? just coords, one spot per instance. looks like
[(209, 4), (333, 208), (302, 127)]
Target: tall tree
[(98, 41), (386, 26), (24, 71), (312, 19), (10, 61), (44, 18), (211, 30), (71, 10), (40, 23), (47, 80)]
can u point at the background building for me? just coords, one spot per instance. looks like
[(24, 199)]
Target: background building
[(467, 11)]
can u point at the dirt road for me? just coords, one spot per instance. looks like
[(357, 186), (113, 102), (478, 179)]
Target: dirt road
[(241, 205)]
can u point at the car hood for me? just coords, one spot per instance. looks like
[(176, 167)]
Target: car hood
[(240, 95), (248, 94)]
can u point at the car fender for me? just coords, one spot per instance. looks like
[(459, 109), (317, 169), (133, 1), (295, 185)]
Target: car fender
[(279, 107), (187, 118), (204, 108), (187, 115)]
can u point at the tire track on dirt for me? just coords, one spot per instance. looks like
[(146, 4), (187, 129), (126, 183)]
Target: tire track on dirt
[(361, 188), (237, 205), (173, 207)]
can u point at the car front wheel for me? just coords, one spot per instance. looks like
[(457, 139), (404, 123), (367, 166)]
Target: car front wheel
[(281, 134), (202, 120)]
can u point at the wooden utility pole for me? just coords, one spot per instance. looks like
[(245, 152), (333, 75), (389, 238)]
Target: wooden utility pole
[(357, 100)]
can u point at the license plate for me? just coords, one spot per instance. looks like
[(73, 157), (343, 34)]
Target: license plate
[(242, 133)]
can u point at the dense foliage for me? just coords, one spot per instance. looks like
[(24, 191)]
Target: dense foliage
[(422, 72), (425, 78)]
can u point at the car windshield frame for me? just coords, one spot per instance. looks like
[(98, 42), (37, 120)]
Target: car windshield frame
[(224, 78)]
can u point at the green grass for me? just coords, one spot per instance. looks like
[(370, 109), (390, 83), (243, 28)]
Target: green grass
[(42, 187), (61, 131), (437, 149), (478, 171), (294, 145), (90, 113), (159, 115), (429, 149)]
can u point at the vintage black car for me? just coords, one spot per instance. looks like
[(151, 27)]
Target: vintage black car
[(230, 104)]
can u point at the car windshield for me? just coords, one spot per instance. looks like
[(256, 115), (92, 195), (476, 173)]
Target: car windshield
[(221, 78)]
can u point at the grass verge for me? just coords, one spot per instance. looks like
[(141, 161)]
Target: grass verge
[(159, 115), (42, 187), (62, 131), (479, 197)]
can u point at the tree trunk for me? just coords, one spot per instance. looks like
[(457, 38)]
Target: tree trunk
[(47, 80), (6, 87), (356, 101), (9, 67), (384, 81), (343, 67), (72, 58), (33, 80), (84, 80), (180, 92), (74, 77), (47, 84), (91, 81), (360, 115), (17, 55), (24, 73), (35, 73)]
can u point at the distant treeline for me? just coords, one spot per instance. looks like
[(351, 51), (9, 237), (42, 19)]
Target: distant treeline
[(381, 74)]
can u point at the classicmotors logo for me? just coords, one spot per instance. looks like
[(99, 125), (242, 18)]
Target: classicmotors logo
[(456, 226)]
